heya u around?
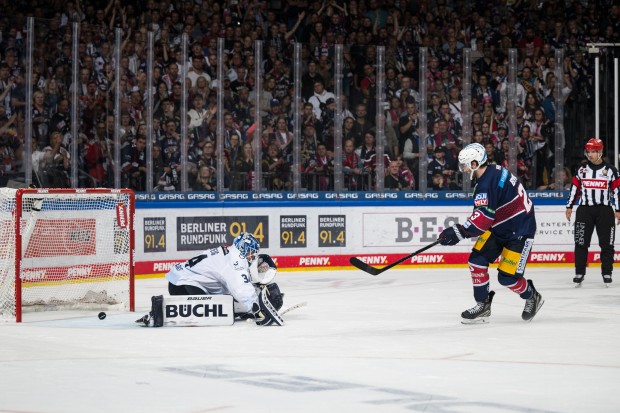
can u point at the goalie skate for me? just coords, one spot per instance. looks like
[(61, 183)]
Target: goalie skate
[(145, 320), (480, 313)]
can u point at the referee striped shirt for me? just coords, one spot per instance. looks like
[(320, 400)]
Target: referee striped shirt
[(595, 185)]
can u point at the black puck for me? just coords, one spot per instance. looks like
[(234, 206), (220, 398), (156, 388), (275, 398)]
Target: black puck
[(102, 315)]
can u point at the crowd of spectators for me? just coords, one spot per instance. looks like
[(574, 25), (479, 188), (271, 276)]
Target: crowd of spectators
[(445, 28)]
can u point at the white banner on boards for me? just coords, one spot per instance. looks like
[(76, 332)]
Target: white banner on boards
[(199, 310)]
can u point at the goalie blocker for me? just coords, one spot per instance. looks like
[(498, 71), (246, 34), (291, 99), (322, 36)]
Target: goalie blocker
[(211, 310), (270, 301)]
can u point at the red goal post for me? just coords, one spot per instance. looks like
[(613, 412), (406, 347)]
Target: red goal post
[(63, 249)]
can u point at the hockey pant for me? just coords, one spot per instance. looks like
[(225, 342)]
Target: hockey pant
[(513, 259), (587, 219), (184, 290)]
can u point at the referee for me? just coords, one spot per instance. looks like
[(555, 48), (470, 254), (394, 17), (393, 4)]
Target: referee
[(594, 184)]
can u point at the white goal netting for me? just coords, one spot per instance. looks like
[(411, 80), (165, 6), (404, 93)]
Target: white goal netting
[(73, 250)]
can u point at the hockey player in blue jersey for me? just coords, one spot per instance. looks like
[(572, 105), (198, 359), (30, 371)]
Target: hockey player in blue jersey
[(504, 222)]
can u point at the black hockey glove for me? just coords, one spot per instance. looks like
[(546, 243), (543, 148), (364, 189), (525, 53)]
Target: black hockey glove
[(275, 296), (453, 235)]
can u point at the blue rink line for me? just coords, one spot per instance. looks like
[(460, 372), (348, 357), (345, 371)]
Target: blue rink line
[(197, 200)]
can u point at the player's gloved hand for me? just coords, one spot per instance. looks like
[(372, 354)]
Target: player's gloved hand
[(452, 235), (275, 295)]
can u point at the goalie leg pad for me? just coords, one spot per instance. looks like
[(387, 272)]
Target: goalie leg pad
[(199, 310), (267, 314), (157, 310)]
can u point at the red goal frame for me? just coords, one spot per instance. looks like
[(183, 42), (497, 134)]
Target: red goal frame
[(130, 215)]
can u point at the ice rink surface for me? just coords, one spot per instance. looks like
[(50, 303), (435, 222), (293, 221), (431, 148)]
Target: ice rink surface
[(391, 343)]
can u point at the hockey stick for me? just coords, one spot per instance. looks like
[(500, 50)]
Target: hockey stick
[(294, 307), (356, 262)]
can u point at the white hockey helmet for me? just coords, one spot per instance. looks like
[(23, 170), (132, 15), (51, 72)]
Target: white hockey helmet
[(263, 270), (470, 153)]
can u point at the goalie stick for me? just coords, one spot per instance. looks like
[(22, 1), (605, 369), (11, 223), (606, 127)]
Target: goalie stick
[(356, 262), (294, 307), (288, 310)]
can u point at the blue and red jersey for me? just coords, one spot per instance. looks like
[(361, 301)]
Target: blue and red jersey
[(501, 205)]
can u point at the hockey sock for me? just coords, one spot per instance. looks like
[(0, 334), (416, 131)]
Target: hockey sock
[(480, 279), (517, 285), (529, 291)]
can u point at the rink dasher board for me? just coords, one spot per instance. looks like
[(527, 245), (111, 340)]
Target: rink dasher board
[(300, 236)]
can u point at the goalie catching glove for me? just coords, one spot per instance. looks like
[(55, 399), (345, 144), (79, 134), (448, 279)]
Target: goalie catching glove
[(269, 302), (263, 270), (453, 235)]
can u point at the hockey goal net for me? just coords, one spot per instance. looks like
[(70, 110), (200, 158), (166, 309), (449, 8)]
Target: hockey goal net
[(65, 248)]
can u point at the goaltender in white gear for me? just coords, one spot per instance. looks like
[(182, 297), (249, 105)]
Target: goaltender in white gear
[(216, 271), (238, 271)]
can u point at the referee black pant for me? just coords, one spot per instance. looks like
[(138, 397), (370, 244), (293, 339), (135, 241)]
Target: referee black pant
[(588, 218)]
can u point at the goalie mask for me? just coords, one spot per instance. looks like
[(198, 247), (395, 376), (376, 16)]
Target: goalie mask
[(247, 245), (470, 153), (262, 270)]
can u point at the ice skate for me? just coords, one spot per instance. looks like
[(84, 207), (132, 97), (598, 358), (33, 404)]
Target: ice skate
[(533, 304), (578, 280), (607, 280), (146, 320), (479, 313)]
